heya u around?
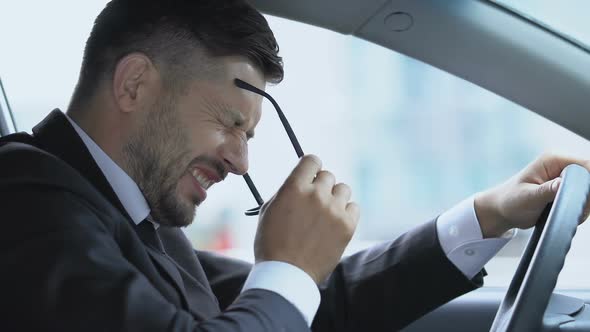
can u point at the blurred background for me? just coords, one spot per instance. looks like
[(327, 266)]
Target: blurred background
[(411, 140)]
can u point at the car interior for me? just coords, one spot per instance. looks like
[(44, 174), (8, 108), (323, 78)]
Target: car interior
[(517, 58)]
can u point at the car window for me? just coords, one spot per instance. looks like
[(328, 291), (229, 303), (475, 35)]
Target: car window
[(411, 140)]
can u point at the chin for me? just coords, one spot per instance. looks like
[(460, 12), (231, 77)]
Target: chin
[(190, 218), (176, 212), (186, 214)]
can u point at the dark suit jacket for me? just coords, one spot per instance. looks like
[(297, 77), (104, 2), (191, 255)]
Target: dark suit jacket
[(74, 261)]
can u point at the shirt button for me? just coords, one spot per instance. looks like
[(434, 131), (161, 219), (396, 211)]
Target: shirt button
[(469, 252)]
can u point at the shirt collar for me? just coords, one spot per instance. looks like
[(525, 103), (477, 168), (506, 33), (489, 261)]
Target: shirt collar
[(126, 189)]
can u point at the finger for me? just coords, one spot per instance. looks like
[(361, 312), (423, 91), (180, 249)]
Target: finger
[(342, 192), (353, 211), (546, 192), (306, 170), (325, 180), (553, 165)]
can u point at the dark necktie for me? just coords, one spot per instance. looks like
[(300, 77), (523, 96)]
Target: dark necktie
[(149, 235)]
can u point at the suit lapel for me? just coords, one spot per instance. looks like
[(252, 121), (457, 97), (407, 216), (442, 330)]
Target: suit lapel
[(170, 271), (55, 135), (178, 247)]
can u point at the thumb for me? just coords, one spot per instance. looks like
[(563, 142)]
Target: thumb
[(548, 190)]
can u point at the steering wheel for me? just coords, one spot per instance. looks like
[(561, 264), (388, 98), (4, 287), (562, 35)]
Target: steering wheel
[(526, 300)]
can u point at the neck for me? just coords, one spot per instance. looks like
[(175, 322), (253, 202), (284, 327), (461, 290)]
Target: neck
[(104, 127)]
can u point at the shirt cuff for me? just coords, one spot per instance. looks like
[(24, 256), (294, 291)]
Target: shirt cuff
[(290, 282), (461, 239)]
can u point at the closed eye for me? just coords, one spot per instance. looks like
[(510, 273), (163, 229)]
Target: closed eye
[(230, 118), (239, 123)]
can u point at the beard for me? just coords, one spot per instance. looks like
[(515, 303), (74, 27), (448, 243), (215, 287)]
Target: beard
[(155, 157)]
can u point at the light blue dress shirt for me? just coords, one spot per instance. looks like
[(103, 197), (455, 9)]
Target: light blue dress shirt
[(458, 232)]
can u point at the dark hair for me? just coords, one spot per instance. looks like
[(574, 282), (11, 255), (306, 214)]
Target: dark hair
[(168, 30)]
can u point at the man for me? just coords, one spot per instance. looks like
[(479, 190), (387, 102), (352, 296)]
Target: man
[(94, 198)]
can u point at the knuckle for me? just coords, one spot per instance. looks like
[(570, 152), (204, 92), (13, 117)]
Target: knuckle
[(549, 156), (328, 175), (346, 188), (313, 158), (342, 186), (293, 188), (354, 211), (545, 156), (331, 177)]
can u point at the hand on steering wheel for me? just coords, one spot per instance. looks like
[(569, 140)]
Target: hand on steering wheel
[(528, 295)]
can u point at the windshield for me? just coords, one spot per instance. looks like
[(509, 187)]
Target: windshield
[(567, 18)]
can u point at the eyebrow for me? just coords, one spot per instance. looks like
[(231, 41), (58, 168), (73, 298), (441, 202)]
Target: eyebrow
[(237, 119)]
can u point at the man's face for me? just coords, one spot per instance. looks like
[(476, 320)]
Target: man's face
[(193, 139)]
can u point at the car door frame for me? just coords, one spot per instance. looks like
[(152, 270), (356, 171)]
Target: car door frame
[(7, 123), (479, 41)]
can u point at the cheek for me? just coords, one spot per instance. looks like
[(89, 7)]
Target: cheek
[(206, 139)]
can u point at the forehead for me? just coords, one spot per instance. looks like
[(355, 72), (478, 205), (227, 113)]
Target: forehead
[(232, 67), (225, 70), (214, 86)]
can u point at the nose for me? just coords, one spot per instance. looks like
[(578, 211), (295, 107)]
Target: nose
[(235, 156)]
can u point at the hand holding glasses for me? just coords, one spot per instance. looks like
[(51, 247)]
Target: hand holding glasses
[(243, 85)]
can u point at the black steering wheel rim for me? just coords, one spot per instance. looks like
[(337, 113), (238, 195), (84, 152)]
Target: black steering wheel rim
[(528, 295)]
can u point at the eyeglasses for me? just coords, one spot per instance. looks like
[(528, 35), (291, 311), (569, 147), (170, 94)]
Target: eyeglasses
[(243, 85)]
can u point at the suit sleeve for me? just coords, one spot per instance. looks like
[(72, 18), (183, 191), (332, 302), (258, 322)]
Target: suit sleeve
[(380, 289), (65, 271), (387, 287)]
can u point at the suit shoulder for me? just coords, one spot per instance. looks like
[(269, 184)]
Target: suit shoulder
[(19, 160), (26, 167), (29, 172)]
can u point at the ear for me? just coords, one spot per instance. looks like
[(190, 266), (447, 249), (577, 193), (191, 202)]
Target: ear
[(135, 82)]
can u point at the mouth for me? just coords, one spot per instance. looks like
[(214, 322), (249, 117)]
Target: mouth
[(202, 179)]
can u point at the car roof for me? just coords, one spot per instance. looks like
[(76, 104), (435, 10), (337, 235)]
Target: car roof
[(478, 41)]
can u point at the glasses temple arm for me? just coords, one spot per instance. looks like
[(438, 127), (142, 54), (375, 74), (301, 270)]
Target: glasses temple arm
[(282, 117), (253, 189)]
